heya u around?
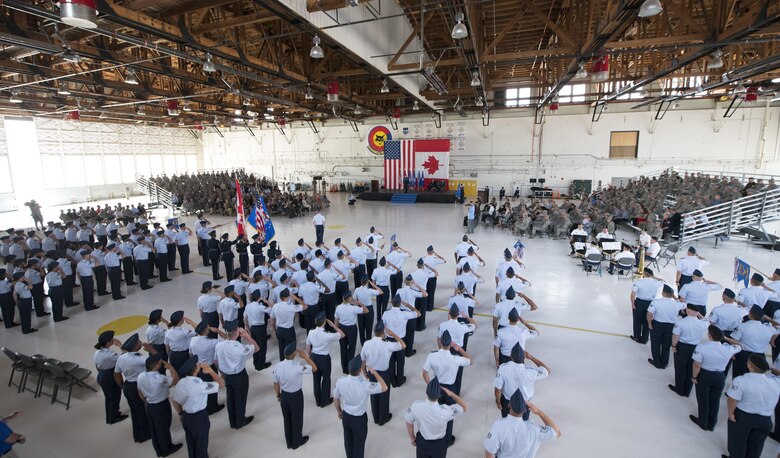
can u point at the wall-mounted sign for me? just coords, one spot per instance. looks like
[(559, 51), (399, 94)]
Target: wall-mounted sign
[(377, 138)]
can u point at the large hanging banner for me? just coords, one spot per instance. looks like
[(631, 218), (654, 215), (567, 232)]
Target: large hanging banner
[(420, 161)]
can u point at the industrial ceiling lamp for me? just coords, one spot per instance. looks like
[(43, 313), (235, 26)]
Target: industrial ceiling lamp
[(246, 103), (475, 81), (316, 51), (384, 89), (460, 31), (141, 111), (186, 107), (63, 90), (102, 115), (15, 97), (309, 95), (181, 123), (650, 8), (716, 60), (69, 56), (479, 102), (740, 89), (79, 13), (416, 106), (581, 73), (644, 94), (208, 65), (358, 110), (173, 107), (131, 77)]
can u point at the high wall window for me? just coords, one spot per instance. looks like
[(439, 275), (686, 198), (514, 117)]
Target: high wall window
[(572, 93), (518, 97), (623, 144)]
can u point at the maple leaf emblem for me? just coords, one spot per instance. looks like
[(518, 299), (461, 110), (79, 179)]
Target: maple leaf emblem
[(432, 165)]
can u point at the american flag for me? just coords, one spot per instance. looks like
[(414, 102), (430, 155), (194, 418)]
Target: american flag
[(399, 162)]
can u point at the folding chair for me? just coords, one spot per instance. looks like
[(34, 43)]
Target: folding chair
[(627, 267), (32, 367), (591, 262), (668, 255), (59, 379), (16, 366)]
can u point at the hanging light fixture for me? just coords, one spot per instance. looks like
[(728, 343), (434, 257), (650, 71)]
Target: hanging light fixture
[(416, 106), (63, 90), (79, 13), (475, 81), (479, 102), (186, 107), (141, 111), (644, 94), (15, 97), (384, 89), (309, 95), (358, 110), (581, 73), (316, 51), (173, 107), (716, 60), (246, 103), (208, 65), (650, 8), (131, 77), (459, 31), (740, 89), (181, 123)]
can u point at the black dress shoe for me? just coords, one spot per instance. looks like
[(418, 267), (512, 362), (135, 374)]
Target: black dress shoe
[(186, 272), (174, 268), (389, 417), (163, 281), (104, 293), (119, 418), (153, 276), (414, 352), (42, 314), (674, 388), (696, 420), (13, 325), (61, 319), (262, 366), (451, 441), (30, 331), (120, 298), (304, 439), (218, 278), (131, 284), (652, 362), (219, 407), (147, 287), (174, 448), (247, 420), (76, 303)]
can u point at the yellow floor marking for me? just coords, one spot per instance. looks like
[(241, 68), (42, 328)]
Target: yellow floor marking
[(336, 227), (124, 325)]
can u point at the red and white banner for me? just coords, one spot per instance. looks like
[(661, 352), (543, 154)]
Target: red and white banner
[(239, 209), (433, 158)]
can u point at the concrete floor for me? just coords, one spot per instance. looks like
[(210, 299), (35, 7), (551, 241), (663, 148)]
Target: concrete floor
[(606, 399)]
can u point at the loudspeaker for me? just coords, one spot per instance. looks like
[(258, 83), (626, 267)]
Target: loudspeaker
[(532, 180)]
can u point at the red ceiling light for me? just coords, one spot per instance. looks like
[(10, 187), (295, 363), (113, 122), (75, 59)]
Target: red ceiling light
[(73, 116), (751, 96), (173, 107), (333, 91), (600, 68), (396, 112), (79, 13)]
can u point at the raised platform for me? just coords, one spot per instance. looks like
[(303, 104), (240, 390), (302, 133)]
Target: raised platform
[(447, 197)]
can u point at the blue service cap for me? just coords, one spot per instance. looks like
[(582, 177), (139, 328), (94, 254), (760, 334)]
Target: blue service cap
[(517, 403), (131, 342), (446, 339), (433, 390), (290, 349), (355, 364), (188, 366)]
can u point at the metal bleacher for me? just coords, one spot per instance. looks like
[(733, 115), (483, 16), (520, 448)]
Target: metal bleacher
[(747, 215)]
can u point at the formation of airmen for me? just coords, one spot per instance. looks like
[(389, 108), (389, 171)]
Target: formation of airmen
[(703, 347), (309, 303)]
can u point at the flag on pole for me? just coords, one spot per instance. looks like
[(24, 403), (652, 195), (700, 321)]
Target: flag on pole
[(239, 209), (519, 249), (741, 272), (261, 221)]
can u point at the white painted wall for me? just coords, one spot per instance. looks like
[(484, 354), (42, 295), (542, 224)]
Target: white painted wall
[(505, 153)]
